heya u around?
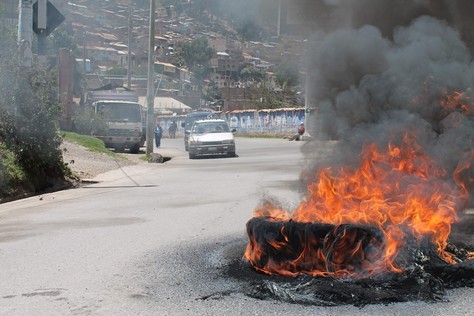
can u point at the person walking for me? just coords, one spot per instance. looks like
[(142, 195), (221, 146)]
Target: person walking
[(172, 129), (158, 134)]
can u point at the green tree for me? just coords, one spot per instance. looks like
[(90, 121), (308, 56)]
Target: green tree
[(197, 53), (252, 73), (197, 56), (269, 99), (287, 76), (62, 37), (213, 93)]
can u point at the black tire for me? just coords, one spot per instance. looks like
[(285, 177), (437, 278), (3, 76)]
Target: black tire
[(119, 148), (231, 154), (192, 156), (186, 147), (135, 149)]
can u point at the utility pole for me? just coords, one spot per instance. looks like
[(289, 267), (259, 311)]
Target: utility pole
[(279, 19), (84, 52), (150, 118), (129, 60), (25, 31)]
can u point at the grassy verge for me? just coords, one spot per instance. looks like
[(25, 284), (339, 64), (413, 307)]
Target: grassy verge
[(89, 142), (12, 177)]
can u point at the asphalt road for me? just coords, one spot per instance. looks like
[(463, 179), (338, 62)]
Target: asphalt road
[(161, 239)]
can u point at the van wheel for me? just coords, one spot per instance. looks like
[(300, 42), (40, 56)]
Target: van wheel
[(231, 154), (192, 156), (135, 149)]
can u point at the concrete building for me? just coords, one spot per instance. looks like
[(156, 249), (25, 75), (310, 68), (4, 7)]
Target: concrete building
[(227, 62)]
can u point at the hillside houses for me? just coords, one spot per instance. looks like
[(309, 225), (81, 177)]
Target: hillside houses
[(103, 36), (227, 62), (230, 55)]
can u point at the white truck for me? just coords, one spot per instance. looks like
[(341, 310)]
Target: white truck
[(123, 115)]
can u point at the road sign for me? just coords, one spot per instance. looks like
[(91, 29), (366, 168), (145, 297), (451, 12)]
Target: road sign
[(53, 19)]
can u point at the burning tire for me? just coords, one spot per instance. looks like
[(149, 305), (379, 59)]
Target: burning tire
[(291, 248), (332, 265)]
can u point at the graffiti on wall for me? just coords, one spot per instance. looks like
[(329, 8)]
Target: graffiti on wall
[(272, 121), (284, 120)]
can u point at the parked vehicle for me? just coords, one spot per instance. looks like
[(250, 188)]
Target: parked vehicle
[(211, 137), (124, 124), (191, 118), (122, 113)]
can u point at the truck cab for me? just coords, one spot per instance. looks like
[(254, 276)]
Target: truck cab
[(124, 124)]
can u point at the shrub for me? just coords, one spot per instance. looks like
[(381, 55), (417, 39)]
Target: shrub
[(29, 120), (12, 177), (87, 122)]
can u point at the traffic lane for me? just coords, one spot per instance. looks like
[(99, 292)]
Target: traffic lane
[(206, 287), (193, 276), (173, 185), (90, 260), (166, 262), (77, 249)]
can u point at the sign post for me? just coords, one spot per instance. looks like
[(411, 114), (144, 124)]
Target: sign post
[(46, 18)]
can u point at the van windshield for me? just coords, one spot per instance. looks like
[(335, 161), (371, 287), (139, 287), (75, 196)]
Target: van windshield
[(120, 112)]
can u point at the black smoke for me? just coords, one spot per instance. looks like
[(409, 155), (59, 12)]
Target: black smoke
[(370, 88)]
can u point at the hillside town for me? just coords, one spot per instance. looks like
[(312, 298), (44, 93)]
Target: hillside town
[(108, 42), (106, 34)]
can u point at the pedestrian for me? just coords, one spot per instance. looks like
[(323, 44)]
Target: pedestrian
[(158, 134), (172, 129), (301, 129), (299, 133)]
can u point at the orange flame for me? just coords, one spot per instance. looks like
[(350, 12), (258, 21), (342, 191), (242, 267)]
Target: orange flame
[(400, 191), (457, 101)]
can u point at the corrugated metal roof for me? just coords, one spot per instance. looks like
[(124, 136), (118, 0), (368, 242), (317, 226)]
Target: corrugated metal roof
[(164, 103)]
